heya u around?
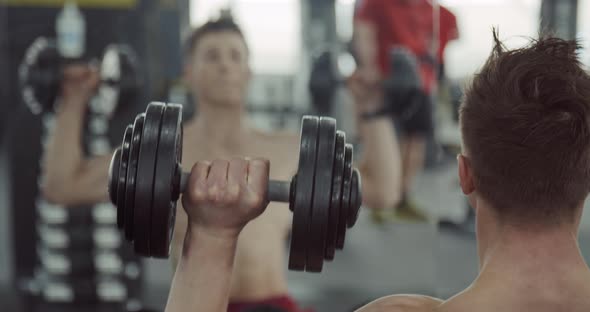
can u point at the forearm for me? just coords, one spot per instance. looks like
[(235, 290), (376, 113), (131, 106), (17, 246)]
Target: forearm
[(365, 44), (380, 163), (203, 277), (71, 178), (63, 155)]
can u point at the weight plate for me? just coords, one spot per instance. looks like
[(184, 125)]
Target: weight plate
[(129, 207), (346, 182), (320, 212), (355, 198), (146, 167), (131, 78), (304, 189), (114, 175), (120, 75), (335, 204), (123, 176), (119, 67), (166, 171), (176, 185), (39, 75)]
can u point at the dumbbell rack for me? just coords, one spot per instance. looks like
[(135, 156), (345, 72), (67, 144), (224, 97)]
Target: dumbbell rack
[(81, 255)]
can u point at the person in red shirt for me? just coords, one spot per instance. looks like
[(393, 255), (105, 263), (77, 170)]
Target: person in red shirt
[(448, 31), (380, 26)]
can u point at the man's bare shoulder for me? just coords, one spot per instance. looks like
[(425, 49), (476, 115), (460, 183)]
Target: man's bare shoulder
[(403, 303)]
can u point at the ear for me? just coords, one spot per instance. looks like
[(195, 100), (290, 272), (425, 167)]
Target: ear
[(465, 175)]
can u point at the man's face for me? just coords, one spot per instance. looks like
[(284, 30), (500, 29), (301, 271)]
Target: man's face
[(218, 72)]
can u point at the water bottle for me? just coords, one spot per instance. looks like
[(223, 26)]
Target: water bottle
[(71, 30)]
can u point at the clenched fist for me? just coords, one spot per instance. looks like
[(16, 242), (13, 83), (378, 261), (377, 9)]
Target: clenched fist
[(79, 84), (223, 196)]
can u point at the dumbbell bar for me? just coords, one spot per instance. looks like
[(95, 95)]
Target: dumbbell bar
[(40, 73), (403, 72), (145, 181)]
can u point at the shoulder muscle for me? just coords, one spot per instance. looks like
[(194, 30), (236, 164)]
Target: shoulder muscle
[(403, 303)]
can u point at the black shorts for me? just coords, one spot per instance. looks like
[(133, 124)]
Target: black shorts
[(417, 119)]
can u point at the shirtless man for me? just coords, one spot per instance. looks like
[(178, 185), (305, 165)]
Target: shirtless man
[(525, 167), (218, 73)]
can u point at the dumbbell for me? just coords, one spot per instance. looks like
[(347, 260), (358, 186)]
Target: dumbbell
[(40, 73), (146, 180), (402, 88)]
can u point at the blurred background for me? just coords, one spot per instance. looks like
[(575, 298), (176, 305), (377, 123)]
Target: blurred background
[(285, 37)]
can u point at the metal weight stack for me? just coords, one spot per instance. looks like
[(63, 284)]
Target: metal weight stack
[(65, 273), (118, 270), (82, 259)]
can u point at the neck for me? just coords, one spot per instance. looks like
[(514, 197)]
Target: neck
[(508, 253), (219, 123)]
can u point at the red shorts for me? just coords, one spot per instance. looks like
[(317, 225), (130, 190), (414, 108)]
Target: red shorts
[(283, 304)]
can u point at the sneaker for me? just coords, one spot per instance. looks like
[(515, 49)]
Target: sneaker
[(466, 226), (381, 216), (408, 211)]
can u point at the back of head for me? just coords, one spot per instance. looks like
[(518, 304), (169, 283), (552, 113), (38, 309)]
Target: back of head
[(525, 126)]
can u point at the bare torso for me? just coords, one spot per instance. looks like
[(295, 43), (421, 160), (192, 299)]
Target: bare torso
[(259, 270)]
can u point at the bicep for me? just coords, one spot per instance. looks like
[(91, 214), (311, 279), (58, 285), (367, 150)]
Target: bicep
[(88, 185), (95, 178), (366, 19), (365, 42), (403, 303)]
